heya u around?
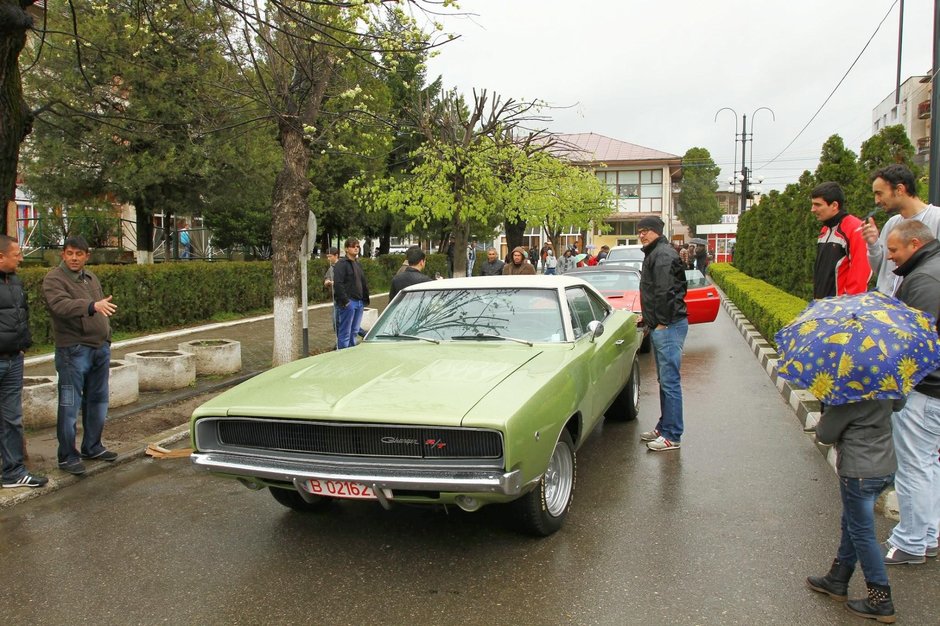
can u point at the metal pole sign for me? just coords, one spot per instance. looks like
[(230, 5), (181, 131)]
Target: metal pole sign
[(306, 247)]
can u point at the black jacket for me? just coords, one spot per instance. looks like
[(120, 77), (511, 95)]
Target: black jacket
[(662, 285), (921, 290), (861, 433), (411, 276), (14, 315), (349, 282)]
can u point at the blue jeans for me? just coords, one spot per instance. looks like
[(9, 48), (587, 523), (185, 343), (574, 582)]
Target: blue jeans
[(11, 418), (350, 316), (83, 384), (916, 430), (858, 526), (667, 350)]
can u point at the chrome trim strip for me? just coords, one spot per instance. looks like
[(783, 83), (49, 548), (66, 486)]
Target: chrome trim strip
[(447, 480)]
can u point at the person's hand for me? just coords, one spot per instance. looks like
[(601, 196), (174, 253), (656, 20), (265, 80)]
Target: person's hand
[(327, 283), (870, 231), (105, 307)]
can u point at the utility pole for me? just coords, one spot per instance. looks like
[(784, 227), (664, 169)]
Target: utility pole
[(934, 164)]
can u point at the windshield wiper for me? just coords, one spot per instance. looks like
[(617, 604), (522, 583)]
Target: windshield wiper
[(403, 336), (490, 336)]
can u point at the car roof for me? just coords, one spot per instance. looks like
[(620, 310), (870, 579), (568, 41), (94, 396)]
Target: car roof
[(499, 282), (602, 268)]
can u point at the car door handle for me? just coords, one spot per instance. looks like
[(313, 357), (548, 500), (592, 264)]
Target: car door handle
[(618, 342)]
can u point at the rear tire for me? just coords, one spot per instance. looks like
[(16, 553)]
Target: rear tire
[(626, 406), (293, 500), (542, 511)]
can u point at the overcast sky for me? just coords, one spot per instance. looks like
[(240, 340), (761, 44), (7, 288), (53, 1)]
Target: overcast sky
[(655, 72)]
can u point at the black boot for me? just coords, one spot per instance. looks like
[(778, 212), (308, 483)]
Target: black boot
[(877, 605), (835, 583)]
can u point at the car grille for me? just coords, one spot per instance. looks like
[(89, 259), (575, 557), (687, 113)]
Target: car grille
[(361, 440)]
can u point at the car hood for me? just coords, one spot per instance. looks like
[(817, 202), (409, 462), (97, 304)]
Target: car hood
[(626, 300), (413, 383)]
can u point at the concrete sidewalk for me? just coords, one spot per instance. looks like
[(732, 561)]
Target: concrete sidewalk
[(256, 336)]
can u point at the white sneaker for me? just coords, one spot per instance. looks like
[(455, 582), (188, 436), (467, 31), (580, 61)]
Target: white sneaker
[(661, 444), (649, 435)]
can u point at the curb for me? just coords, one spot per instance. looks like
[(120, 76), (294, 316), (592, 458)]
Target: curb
[(59, 479), (804, 404)]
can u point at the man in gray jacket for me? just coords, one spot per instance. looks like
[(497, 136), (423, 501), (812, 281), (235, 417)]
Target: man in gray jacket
[(914, 248), (80, 312)]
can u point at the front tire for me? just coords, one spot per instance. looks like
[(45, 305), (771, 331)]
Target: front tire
[(626, 406), (542, 511), (293, 500)]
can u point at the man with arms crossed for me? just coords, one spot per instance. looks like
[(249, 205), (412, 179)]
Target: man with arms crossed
[(662, 300), (914, 248), (895, 191), (80, 312)]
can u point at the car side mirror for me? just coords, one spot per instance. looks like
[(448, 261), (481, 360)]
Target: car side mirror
[(596, 329)]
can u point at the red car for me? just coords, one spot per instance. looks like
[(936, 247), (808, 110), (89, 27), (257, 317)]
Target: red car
[(621, 286)]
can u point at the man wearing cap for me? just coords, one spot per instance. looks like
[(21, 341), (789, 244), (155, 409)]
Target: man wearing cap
[(662, 301)]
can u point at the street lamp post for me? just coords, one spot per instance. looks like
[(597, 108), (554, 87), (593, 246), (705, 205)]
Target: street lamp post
[(744, 175)]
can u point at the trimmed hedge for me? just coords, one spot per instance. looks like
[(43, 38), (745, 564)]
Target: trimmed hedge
[(156, 297), (767, 307)]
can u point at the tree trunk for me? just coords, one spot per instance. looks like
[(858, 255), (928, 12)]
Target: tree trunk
[(289, 223), (15, 116), (515, 231), (461, 233)]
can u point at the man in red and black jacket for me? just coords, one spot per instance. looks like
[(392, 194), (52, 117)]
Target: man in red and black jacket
[(841, 252)]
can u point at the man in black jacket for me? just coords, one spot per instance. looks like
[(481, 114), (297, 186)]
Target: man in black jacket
[(412, 274), (350, 294), (14, 338), (662, 300), (912, 245)]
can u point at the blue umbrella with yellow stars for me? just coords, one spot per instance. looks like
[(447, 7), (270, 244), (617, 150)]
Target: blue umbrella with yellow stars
[(859, 347)]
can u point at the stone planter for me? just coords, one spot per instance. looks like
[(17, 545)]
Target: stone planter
[(369, 318), (124, 384), (162, 370), (40, 401), (214, 356)]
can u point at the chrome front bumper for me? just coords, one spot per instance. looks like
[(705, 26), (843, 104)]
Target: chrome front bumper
[(416, 479)]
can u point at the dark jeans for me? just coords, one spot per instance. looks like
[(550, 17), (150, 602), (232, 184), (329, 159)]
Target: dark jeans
[(11, 418), (83, 384), (859, 542)]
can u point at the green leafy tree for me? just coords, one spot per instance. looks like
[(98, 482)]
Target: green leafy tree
[(15, 114), (889, 146), (698, 203)]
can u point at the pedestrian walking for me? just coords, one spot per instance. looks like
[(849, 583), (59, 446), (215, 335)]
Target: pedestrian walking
[(14, 339), (80, 315), (332, 256), (915, 250), (518, 263), (841, 252), (492, 266), (662, 301)]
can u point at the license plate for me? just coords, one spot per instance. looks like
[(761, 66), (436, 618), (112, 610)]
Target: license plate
[(342, 489)]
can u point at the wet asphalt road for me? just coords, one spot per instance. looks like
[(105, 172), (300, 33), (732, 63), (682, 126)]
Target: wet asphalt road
[(721, 532)]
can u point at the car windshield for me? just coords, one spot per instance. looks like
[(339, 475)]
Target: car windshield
[(633, 264), (624, 254), (695, 278), (611, 281), (472, 314)]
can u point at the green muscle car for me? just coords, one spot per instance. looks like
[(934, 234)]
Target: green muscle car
[(468, 391)]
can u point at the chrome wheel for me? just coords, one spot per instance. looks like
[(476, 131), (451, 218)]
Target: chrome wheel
[(559, 479)]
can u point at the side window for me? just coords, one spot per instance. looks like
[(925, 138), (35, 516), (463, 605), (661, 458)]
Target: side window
[(582, 312), (600, 308)]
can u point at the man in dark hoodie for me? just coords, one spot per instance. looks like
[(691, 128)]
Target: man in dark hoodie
[(841, 252), (912, 245), (14, 339), (662, 300)]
